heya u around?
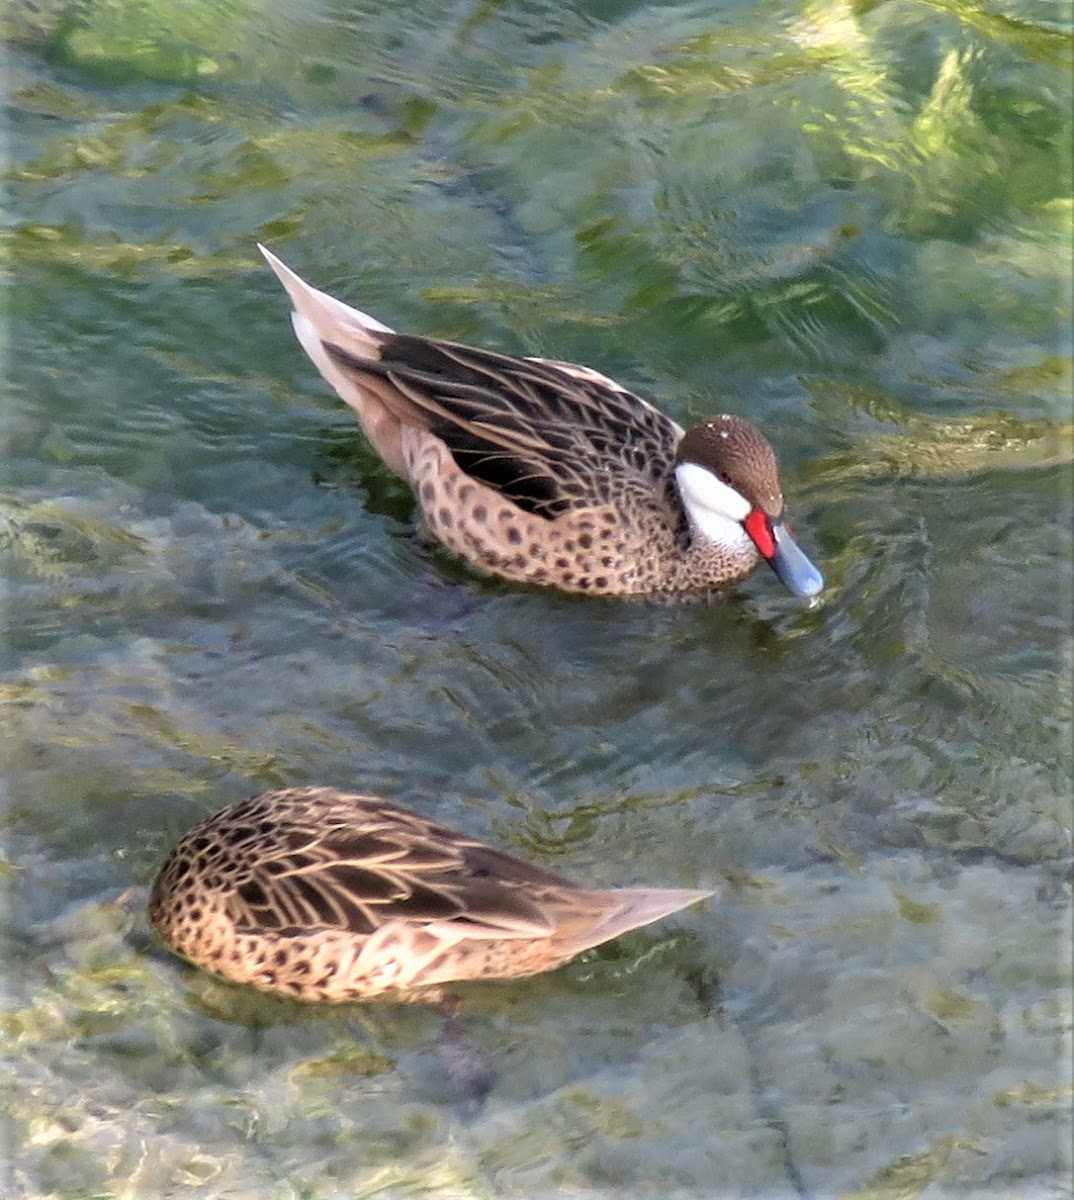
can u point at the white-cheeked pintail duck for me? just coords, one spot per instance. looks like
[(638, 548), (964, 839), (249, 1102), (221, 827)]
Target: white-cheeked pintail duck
[(328, 896), (550, 473)]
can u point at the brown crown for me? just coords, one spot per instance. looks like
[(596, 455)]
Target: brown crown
[(737, 452)]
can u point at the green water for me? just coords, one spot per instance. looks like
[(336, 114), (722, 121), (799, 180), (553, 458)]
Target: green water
[(850, 223)]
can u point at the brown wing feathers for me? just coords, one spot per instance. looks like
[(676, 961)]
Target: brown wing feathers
[(357, 880), (539, 434)]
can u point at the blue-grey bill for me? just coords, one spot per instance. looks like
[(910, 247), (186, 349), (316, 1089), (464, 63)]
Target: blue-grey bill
[(790, 563)]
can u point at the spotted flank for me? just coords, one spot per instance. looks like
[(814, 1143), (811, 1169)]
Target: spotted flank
[(550, 473), (329, 896)]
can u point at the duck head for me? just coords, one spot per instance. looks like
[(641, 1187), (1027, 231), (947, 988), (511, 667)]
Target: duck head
[(729, 483)]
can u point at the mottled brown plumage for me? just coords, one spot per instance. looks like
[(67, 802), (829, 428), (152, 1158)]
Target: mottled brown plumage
[(550, 473), (330, 896)]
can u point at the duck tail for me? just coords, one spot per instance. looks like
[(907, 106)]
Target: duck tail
[(629, 908), (321, 321)]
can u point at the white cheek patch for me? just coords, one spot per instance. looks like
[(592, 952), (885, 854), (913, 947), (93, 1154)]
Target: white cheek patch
[(702, 490), (714, 507)]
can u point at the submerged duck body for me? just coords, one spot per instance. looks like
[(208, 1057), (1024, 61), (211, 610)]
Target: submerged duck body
[(550, 473), (331, 896)]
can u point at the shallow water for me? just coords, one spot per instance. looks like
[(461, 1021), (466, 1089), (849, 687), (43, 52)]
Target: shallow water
[(850, 224)]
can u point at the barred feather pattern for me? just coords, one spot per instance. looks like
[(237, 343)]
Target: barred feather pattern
[(334, 896), (550, 436)]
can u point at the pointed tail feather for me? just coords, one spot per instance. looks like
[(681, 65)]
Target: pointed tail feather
[(330, 316), (319, 319), (628, 908)]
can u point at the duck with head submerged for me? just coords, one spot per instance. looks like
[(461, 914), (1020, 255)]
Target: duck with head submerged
[(550, 473), (329, 896)]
